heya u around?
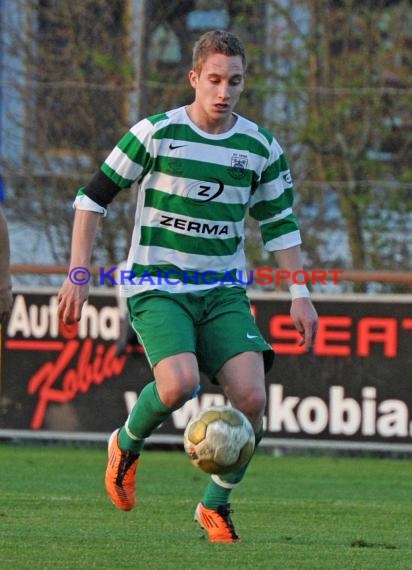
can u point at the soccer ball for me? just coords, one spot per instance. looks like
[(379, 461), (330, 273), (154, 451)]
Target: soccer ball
[(219, 440)]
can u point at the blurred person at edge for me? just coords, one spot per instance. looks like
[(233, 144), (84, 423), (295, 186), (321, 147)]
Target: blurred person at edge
[(6, 298)]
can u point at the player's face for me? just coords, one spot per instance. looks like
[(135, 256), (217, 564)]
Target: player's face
[(218, 86)]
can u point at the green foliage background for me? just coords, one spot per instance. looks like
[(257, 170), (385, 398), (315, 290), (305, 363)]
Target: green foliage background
[(331, 79)]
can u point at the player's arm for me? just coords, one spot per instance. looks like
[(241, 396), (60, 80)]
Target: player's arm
[(302, 311), (75, 289), (91, 204), (6, 298), (272, 206), (121, 168)]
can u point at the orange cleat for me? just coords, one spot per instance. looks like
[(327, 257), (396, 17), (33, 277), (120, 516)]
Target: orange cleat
[(120, 478), (217, 523)]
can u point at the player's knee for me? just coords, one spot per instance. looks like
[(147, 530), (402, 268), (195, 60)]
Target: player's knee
[(179, 389), (253, 406)]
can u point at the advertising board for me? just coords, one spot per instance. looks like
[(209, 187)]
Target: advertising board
[(355, 387)]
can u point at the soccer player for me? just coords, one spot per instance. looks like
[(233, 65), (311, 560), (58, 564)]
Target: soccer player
[(6, 298), (200, 169)]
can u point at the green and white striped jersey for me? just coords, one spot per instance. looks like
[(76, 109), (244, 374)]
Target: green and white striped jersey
[(194, 192)]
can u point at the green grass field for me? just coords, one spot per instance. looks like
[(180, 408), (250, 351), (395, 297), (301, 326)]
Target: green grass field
[(291, 513)]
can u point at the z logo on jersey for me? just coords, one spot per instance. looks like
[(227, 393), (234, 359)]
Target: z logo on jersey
[(205, 191)]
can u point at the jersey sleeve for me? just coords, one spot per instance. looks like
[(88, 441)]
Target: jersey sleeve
[(132, 157), (272, 203), (126, 163), (83, 202)]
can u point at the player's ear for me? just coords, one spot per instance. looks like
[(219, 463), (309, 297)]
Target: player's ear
[(193, 78), (243, 83)]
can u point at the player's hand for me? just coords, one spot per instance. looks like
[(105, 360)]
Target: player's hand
[(305, 319), (71, 299), (6, 302)]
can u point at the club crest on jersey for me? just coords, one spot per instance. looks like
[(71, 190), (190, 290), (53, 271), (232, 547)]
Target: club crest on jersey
[(238, 166)]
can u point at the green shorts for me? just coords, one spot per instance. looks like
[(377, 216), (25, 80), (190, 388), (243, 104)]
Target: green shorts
[(215, 325)]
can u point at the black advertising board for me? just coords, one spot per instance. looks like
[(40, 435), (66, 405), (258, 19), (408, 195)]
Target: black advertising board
[(357, 383), (356, 386), (68, 378)]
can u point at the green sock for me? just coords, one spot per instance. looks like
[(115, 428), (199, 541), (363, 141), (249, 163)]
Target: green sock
[(147, 414), (218, 489)]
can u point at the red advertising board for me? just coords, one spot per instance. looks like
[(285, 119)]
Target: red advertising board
[(355, 386)]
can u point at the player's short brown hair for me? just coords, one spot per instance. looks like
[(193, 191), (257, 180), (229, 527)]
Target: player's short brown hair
[(217, 41)]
